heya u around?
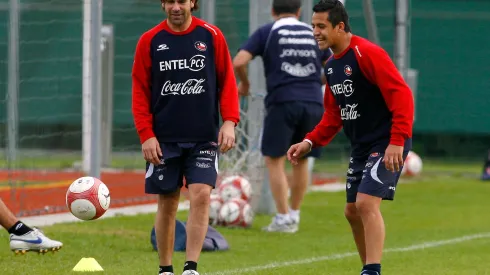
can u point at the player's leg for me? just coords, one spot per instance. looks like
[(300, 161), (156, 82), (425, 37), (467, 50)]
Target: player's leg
[(374, 230), (24, 238), (8, 220), (299, 185), (307, 116), (165, 228), (357, 228), (486, 168), (276, 138), (165, 180), (354, 176), (377, 184), (201, 172)]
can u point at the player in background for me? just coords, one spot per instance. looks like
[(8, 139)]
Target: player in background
[(366, 95), (292, 63), (486, 168), (182, 80), (24, 238)]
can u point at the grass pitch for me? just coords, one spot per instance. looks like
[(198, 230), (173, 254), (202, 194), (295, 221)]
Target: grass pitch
[(431, 226)]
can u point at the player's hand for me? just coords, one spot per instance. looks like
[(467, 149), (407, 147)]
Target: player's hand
[(151, 150), (226, 137), (297, 151), (244, 89), (393, 158)]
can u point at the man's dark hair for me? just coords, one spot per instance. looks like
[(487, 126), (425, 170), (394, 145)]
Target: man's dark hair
[(195, 8), (336, 12), (286, 6)]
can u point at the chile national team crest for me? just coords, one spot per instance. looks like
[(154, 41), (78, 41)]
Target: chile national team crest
[(200, 46), (347, 70)]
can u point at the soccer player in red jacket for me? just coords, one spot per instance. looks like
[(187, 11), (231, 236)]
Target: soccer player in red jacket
[(183, 79), (366, 95)]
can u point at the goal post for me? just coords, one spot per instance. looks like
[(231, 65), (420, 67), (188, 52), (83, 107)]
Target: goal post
[(107, 51), (98, 77)]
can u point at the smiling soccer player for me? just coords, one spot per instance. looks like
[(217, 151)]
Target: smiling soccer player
[(366, 95)]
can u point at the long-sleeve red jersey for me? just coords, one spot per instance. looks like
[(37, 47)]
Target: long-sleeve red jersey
[(182, 81), (366, 95)]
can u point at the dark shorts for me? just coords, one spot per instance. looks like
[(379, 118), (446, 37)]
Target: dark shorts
[(197, 162), (288, 123), (369, 175)]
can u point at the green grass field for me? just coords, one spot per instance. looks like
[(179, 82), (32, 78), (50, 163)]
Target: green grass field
[(432, 228)]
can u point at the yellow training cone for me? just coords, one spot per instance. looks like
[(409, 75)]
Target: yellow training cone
[(87, 265)]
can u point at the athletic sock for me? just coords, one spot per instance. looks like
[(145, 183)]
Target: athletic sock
[(167, 268), (19, 228), (294, 215), (374, 268), (190, 265)]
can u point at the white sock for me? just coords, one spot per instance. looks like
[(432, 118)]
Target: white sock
[(294, 214)]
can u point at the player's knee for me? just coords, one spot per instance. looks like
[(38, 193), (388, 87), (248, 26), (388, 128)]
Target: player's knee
[(366, 207), (350, 212), (199, 195), (168, 204)]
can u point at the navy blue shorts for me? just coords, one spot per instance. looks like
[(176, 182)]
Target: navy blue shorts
[(197, 162), (288, 123), (369, 175)]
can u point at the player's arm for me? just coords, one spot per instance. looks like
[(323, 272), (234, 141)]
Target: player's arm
[(141, 78), (330, 124), (251, 48), (378, 67), (229, 104), (240, 63)]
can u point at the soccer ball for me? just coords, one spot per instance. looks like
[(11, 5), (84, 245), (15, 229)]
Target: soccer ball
[(413, 165), (88, 198), (236, 213), (235, 187), (214, 207)]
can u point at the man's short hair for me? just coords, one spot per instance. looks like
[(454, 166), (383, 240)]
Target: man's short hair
[(286, 6), (195, 8), (336, 12)]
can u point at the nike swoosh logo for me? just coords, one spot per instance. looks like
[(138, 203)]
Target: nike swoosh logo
[(35, 241)]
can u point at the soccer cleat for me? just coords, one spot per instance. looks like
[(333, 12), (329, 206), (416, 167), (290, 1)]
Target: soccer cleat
[(166, 273), (285, 227), (190, 272), (294, 225), (33, 241), (369, 272)]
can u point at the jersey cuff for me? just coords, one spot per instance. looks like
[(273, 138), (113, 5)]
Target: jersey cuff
[(146, 134), (397, 140), (234, 120)]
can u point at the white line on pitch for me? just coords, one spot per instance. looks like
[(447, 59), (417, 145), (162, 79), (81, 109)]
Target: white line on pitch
[(420, 246)]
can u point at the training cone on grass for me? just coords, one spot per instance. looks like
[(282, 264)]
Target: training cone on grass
[(88, 265)]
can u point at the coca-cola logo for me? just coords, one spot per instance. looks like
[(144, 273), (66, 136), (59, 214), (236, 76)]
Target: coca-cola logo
[(190, 87), (349, 112)]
